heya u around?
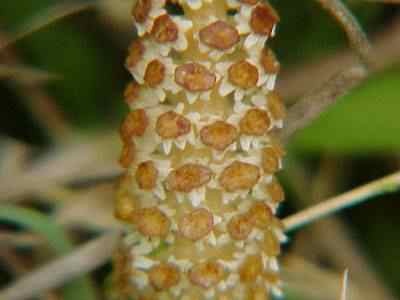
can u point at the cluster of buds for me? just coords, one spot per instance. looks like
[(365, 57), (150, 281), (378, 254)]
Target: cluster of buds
[(199, 195)]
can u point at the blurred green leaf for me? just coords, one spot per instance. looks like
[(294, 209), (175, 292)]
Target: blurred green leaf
[(367, 120), (293, 295), (93, 77), (79, 289), (47, 17)]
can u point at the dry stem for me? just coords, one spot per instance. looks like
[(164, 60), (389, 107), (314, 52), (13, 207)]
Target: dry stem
[(350, 25), (313, 105), (54, 274), (296, 81), (338, 247), (345, 282), (60, 167), (384, 185), (40, 104)]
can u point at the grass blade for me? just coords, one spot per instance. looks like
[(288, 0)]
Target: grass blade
[(78, 289)]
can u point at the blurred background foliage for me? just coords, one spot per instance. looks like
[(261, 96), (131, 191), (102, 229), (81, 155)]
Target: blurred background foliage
[(67, 92)]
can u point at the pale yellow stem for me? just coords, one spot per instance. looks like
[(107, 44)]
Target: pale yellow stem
[(386, 184)]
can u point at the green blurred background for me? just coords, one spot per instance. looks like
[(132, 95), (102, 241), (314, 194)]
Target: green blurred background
[(61, 88)]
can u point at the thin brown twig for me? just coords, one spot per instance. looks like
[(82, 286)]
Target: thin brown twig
[(296, 81), (350, 25), (310, 107), (20, 239)]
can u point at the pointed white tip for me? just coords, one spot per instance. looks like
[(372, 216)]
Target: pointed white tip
[(345, 283)]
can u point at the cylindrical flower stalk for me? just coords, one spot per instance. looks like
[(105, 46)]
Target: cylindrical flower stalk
[(199, 195)]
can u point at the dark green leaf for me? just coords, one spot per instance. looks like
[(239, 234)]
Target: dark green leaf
[(367, 120)]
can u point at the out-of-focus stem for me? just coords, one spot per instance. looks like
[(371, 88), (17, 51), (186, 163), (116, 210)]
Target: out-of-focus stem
[(41, 105), (361, 194), (311, 106), (338, 247), (350, 25), (54, 274), (345, 282)]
